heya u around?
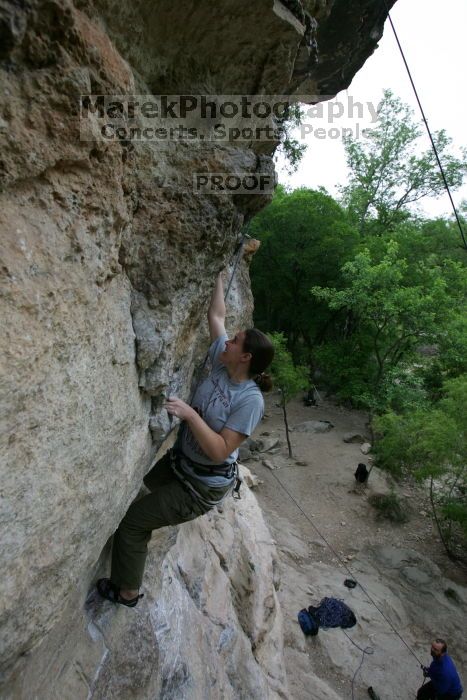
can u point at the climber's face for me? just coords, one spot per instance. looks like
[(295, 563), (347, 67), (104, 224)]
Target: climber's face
[(436, 650), (233, 354)]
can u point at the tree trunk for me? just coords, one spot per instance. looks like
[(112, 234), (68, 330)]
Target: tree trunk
[(450, 554), (287, 435)]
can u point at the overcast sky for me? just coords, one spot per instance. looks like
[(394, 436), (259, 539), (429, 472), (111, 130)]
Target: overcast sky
[(432, 35)]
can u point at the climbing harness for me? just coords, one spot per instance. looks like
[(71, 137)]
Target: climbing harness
[(177, 457), (238, 483)]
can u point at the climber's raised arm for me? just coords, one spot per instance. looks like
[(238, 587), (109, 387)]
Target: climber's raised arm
[(216, 311)]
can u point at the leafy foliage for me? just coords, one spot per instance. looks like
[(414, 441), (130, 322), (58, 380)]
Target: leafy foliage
[(387, 171), (431, 443), (389, 507), (290, 379), (372, 298), (291, 148), (393, 305), (305, 235)]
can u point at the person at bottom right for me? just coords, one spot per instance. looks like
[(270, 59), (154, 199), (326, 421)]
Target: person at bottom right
[(444, 683)]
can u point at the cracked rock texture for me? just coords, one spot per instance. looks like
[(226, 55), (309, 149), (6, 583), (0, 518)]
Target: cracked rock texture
[(107, 262), (209, 625)]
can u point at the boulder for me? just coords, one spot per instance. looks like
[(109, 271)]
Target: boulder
[(244, 454), (354, 438), (251, 444), (314, 426), (250, 479), (266, 444)]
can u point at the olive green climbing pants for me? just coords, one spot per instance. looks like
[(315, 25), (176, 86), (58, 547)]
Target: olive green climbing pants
[(169, 503)]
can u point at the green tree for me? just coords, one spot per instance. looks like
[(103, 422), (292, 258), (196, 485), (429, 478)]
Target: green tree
[(394, 306), (431, 443), (292, 150), (289, 379), (305, 237), (388, 172), (379, 296)]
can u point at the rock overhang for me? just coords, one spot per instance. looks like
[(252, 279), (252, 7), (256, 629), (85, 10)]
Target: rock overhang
[(107, 272)]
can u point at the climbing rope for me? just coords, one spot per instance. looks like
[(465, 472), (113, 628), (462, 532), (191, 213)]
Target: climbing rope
[(236, 262), (441, 169), (367, 650)]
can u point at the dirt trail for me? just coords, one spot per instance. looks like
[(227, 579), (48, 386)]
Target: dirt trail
[(403, 567)]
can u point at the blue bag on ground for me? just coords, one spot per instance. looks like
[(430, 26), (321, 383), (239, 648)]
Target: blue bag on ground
[(308, 623), (332, 612)]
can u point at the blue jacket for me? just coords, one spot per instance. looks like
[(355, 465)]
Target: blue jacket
[(444, 675)]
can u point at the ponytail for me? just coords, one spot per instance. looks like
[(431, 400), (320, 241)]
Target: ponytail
[(262, 354), (264, 381)]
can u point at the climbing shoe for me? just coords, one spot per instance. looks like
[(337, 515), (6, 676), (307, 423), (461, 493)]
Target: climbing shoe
[(111, 592)]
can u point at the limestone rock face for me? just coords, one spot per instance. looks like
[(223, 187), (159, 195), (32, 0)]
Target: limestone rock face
[(108, 258), (209, 625)]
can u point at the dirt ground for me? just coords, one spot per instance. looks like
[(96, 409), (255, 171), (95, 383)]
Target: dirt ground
[(402, 567)]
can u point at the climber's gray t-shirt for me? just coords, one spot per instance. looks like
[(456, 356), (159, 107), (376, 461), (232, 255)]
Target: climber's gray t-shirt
[(223, 403)]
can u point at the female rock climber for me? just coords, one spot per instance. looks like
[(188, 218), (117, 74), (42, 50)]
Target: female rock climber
[(198, 473)]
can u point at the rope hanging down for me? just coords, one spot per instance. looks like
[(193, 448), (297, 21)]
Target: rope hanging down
[(331, 548), (365, 651), (237, 260), (441, 169)]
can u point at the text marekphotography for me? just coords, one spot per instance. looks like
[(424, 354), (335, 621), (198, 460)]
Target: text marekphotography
[(231, 118)]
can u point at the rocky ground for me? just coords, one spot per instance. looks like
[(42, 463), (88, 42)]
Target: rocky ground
[(402, 567)]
